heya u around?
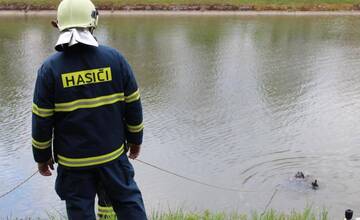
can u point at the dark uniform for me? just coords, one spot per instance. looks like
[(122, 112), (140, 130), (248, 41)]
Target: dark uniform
[(87, 105)]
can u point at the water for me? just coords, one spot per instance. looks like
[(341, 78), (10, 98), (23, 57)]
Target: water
[(238, 101)]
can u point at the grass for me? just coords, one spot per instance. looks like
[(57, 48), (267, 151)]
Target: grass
[(307, 214), (254, 4)]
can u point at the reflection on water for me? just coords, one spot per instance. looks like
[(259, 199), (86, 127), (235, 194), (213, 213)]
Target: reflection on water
[(237, 101)]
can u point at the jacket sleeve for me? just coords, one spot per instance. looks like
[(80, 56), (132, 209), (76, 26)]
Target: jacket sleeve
[(43, 116), (133, 109)]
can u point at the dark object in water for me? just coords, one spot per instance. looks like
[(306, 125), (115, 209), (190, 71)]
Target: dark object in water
[(315, 185), (349, 214), (299, 175)]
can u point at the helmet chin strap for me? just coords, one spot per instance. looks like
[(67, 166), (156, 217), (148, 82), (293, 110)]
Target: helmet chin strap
[(54, 24), (92, 29)]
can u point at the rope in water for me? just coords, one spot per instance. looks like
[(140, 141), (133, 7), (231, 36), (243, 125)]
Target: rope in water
[(194, 180), (165, 171), (211, 185), (270, 200), (18, 185)]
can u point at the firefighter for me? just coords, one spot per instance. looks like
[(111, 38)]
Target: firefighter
[(86, 114)]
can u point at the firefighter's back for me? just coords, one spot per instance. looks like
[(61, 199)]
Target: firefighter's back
[(90, 84)]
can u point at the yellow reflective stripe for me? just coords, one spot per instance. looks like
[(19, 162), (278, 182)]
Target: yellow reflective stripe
[(103, 216), (107, 216), (105, 208), (89, 103), (41, 145), (106, 212), (133, 97), (90, 161), (42, 112), (135, 128)]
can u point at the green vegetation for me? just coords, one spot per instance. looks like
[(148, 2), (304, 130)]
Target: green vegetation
[(205, 4), (307, 214)]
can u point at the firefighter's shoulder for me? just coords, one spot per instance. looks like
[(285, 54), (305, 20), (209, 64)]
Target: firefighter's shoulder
[(115, 52)]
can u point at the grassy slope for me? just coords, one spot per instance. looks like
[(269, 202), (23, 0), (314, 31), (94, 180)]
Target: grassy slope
[(307, 214), (258, 4)]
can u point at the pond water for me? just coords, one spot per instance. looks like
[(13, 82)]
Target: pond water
[(237, 101)]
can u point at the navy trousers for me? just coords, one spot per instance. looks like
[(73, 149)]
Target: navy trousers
[(79, 187)]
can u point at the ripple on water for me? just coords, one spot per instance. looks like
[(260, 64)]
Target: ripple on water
[(265, 172)]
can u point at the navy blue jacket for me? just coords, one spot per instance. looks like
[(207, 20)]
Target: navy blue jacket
[(86, 107)]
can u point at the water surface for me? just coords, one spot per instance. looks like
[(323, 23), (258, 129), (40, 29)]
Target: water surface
[(237, 101)]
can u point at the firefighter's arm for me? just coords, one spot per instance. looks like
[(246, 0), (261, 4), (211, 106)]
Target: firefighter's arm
[(133, 112), (42, 121)]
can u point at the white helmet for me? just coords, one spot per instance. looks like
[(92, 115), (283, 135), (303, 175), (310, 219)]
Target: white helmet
[(77, 13)]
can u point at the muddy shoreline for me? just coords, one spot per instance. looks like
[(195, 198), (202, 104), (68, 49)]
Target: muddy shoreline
[(212, 7)]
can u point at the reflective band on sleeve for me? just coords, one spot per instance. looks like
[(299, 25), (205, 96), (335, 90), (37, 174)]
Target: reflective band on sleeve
[(89, 103), (135, 128), (90, 161), (41, 145), (42, 112), (133, 97)]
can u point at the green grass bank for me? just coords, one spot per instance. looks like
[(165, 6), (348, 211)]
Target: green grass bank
[(196, 5), (307, 214)]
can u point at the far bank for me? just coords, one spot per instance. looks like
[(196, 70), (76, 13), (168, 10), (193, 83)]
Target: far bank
[(200, 5)]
